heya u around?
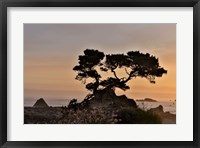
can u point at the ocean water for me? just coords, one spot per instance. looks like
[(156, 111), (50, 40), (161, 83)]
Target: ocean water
[(167, 106)]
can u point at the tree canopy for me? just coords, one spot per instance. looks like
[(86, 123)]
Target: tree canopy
[(134, 63), (86, 68)]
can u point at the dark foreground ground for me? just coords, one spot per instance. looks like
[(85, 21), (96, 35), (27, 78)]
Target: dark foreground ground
[(63, 115)]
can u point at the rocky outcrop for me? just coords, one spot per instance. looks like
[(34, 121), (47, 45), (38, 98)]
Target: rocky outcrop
[(108, 98), (167, 117), (157, 110), (40, 103)]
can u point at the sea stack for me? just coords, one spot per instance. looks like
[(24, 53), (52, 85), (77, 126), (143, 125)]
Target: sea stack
[(40, 103)]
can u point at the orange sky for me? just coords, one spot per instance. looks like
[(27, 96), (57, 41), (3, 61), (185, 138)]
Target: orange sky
[(51, 51)]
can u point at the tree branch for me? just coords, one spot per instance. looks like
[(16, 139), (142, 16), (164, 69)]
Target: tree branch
[(129, 77), (114, 74), (127, 72)]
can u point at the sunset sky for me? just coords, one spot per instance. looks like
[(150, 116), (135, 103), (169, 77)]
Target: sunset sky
[(51, 51)]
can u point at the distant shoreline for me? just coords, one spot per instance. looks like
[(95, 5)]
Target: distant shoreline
[(147, 100)]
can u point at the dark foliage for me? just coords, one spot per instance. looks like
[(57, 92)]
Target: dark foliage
[(134, 63), (86, 68), (73, 104), (137, 116)]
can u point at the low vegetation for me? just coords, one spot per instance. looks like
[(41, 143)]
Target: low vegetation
[(138, 116)]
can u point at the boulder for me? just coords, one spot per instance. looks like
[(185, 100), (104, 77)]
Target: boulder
[(40, 103), (167, 117), (108, 98), (157, 110)]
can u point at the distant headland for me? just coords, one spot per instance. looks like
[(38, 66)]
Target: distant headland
[(147, 100)]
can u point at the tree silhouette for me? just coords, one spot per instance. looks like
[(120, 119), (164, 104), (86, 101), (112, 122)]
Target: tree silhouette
[(86, 68), (134, 63)]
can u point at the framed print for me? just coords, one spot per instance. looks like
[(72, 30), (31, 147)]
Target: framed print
[(108, 74)]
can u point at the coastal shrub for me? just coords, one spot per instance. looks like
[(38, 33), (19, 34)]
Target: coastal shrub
[(137, 116), (73, 104), (85, 103)]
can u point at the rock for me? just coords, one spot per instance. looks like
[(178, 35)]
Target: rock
[(108, 98), (167, 117), (40, 103), (158, 110), (125, 102)]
